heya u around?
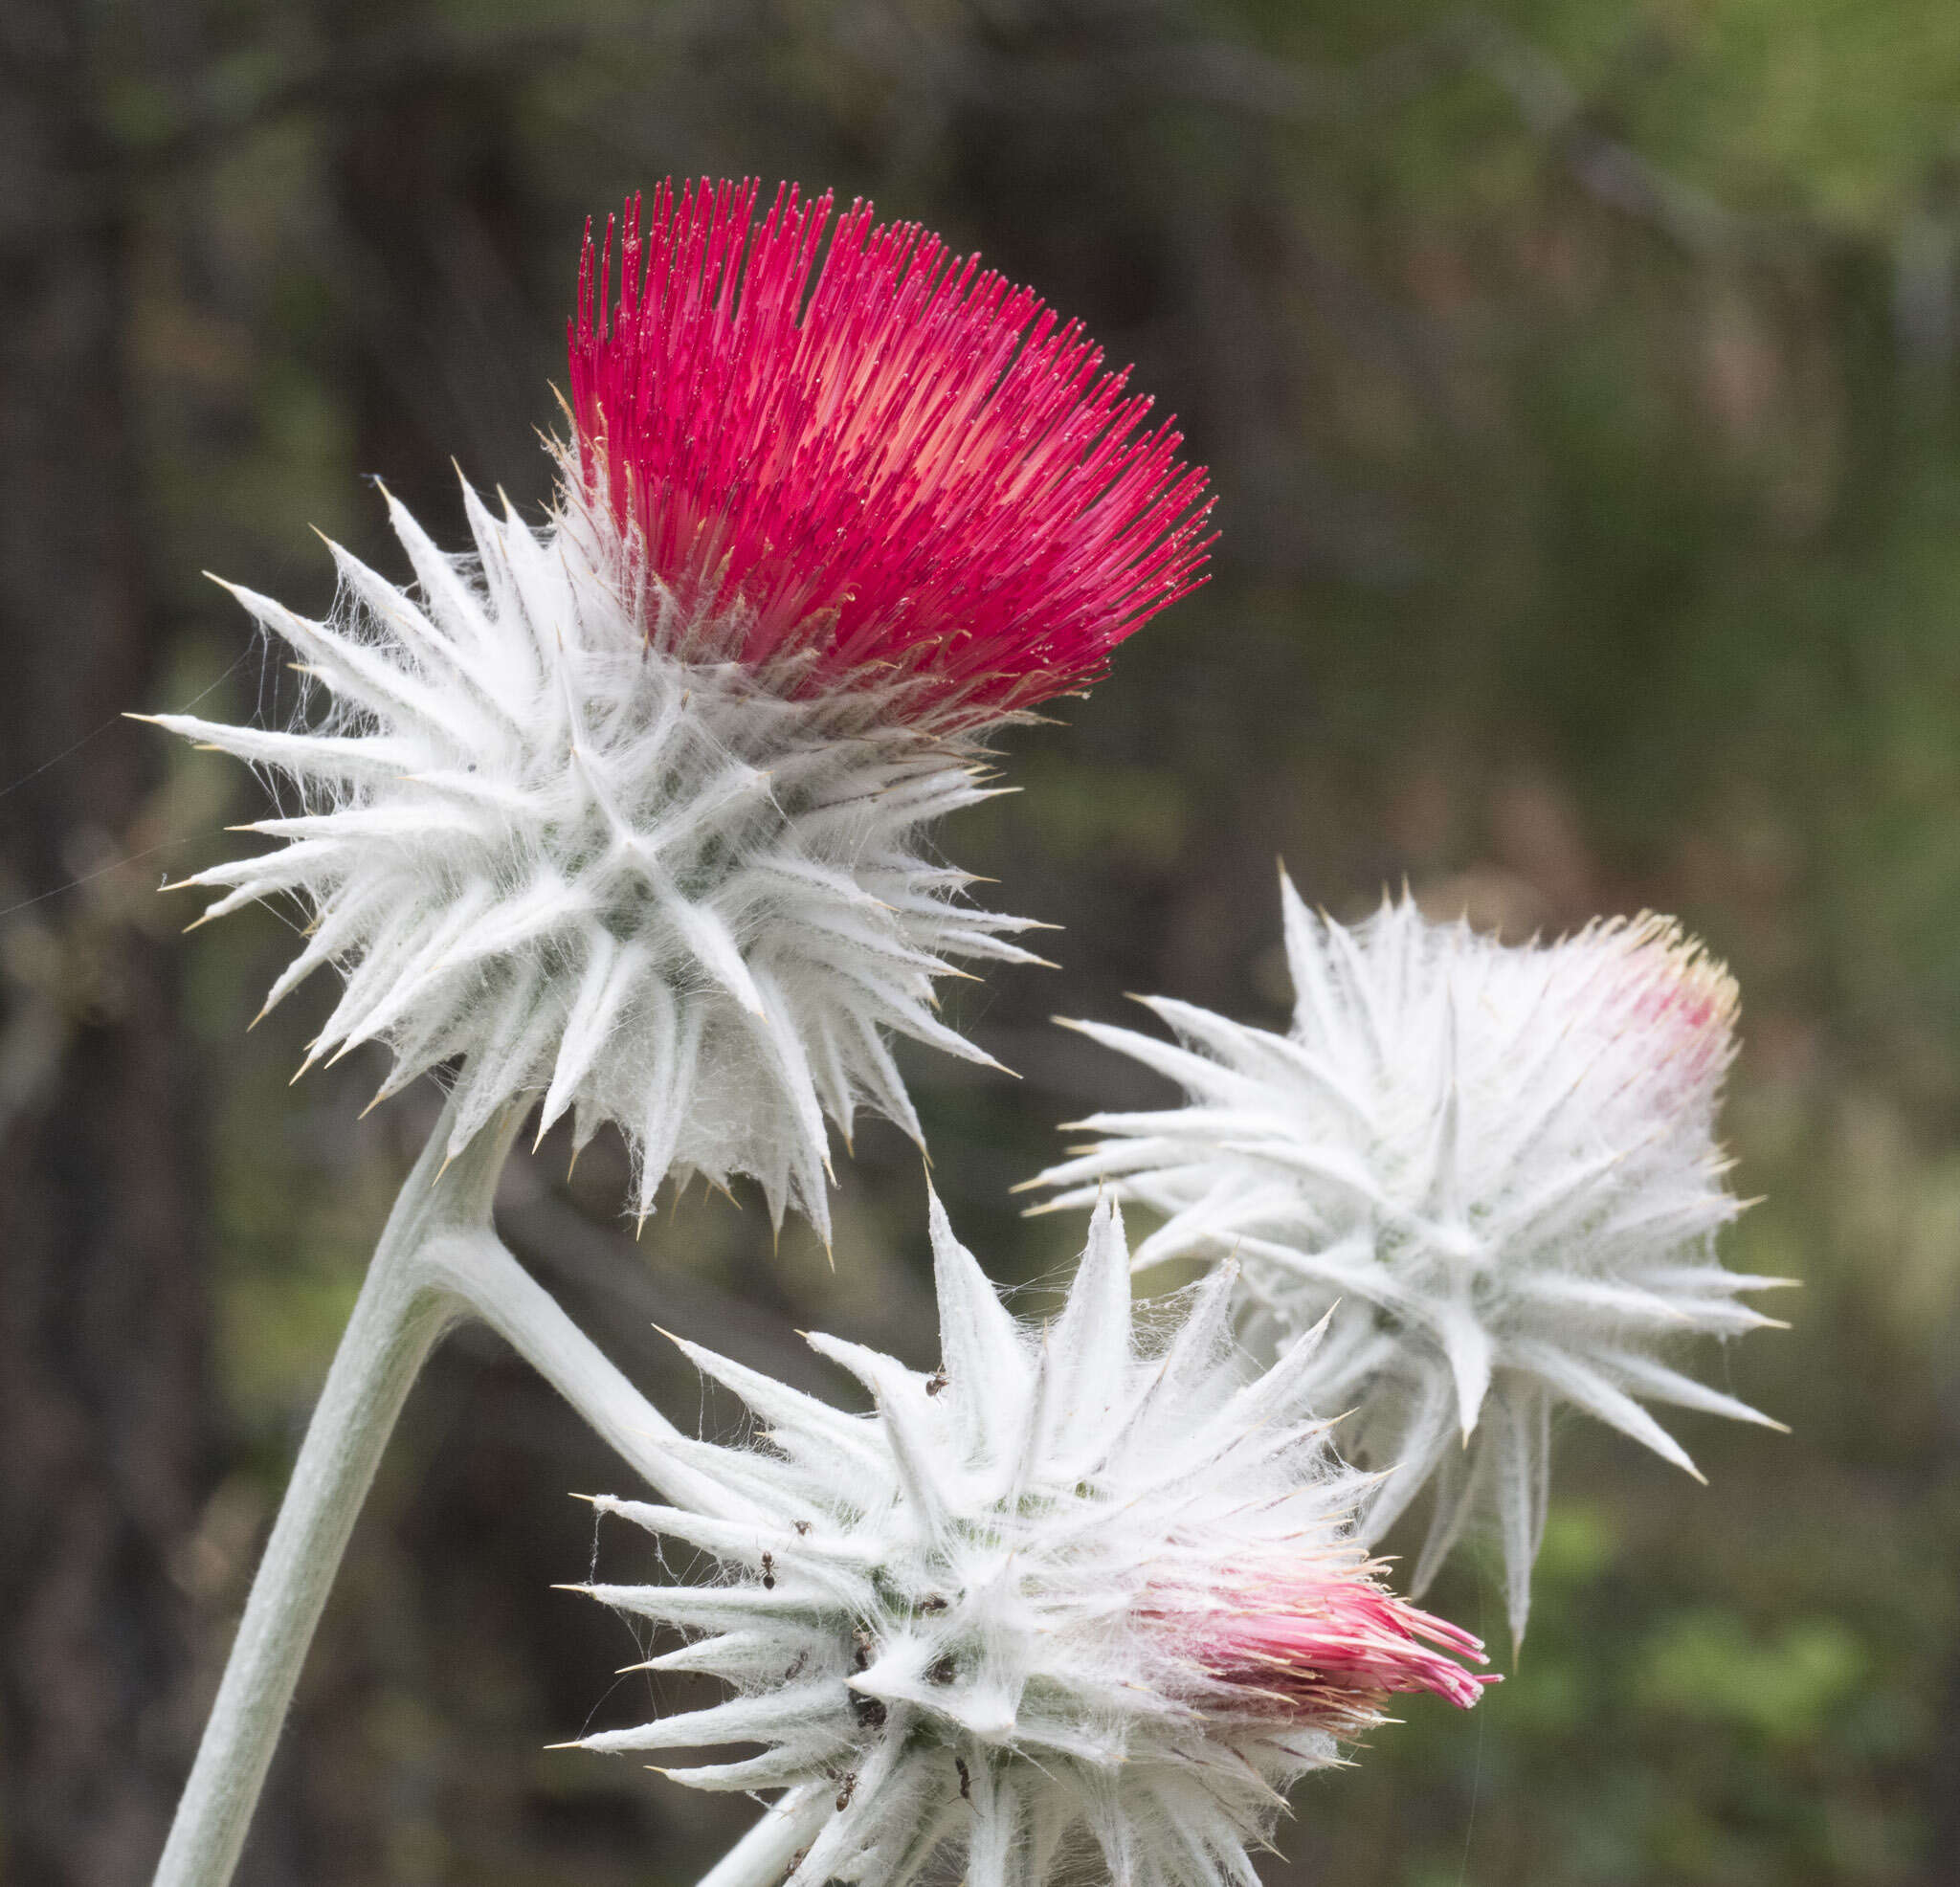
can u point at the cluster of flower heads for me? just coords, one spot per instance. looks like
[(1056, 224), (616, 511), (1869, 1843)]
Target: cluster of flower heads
[(627, 813), (1085, 1583), (624, 814), (1493, 1169)]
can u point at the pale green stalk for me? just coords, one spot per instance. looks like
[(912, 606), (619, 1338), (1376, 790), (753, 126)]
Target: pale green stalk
[(438, 1260)]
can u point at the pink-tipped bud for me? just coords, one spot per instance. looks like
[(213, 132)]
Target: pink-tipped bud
[(875, 457), (1491, 1168)]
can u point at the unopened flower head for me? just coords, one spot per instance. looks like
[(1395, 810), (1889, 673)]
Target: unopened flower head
[(627, 812), (1084, 1584), (1494, 1166)]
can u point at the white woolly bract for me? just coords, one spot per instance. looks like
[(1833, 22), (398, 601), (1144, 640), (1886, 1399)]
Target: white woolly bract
[(650, 890), (1494, 1166), (1053, 1593)]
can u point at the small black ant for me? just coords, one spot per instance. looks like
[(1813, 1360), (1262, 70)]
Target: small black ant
[(936, 1382), (966, 1779), (802, 1527), (942, 1669), (795, 1670), (932, 1604), (769, 1572), (869, 1710), (849, 1789)]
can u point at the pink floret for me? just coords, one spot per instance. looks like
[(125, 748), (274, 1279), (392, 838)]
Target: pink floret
[(1322, 1646), (1681, 1003), (876, 460)]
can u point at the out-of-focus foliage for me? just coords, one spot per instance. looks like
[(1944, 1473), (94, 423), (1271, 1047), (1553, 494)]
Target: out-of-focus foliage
[(1579, 383)]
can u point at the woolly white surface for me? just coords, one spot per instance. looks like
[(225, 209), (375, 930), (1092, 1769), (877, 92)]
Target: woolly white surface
[(659, 892), (973, 1577), (1495, 1166)]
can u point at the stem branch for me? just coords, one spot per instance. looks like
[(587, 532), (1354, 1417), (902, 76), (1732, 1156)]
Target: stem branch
[(437, 1260)]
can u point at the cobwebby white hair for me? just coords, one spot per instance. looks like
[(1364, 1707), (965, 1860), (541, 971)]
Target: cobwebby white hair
[(649, 890), (1079, 1583), (1495, 1166)]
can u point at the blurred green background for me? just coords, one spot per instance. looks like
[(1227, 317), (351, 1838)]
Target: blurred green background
[(1579, 383)]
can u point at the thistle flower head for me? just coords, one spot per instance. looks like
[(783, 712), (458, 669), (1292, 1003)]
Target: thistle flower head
[(1080, 1583), (872, 462), (1494, 1166), (626, 813)]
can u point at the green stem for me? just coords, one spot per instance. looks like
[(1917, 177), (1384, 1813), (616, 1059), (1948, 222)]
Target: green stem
[(438, 1261)]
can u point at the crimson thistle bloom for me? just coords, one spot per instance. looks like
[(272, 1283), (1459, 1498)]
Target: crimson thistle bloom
[(886, 469), (626, 814), (1087, 1578)]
